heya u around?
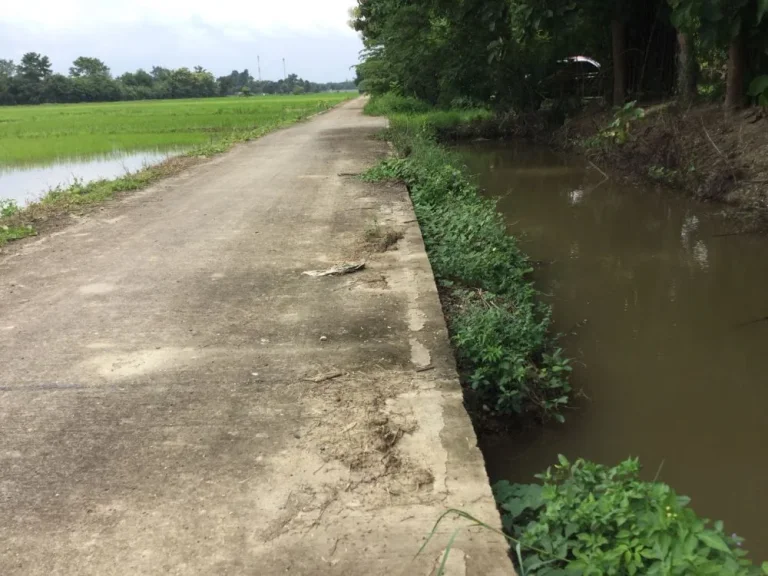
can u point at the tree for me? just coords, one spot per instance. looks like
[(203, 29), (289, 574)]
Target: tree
[(32, 82), (205, 83), (58, 88), (619, 44), (34, 67), (740, 26), (735, 94), (686, 76), (84, 66), (226, 85), (138, 78), (7, 68), (160, 74)]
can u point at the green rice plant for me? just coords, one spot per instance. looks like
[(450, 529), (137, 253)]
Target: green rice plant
[(44, 134)]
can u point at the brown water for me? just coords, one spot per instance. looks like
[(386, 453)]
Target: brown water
[(673, 364)]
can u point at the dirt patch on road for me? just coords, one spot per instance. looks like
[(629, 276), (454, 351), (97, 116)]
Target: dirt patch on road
[(364, 433)]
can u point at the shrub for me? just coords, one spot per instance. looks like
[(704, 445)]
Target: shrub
[(758, 89), (391, 103), (500, 330), (8, 208), (592, 520)]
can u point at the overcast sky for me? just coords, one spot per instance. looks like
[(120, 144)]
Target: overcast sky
[(220, 35)]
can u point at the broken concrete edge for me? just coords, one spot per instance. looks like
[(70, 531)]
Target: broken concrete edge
[(466, 483)]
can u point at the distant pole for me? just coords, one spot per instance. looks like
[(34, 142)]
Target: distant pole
[(285, 74), (258, 65)]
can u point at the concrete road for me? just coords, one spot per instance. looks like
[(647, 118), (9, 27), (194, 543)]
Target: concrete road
[(177, 397)]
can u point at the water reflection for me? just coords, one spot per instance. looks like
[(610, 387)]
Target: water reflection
[(26, 183), (671, 358)]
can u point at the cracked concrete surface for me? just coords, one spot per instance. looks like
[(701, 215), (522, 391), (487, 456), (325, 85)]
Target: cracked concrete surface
[(163, 395)]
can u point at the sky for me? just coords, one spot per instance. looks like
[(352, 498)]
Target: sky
[(220, 35)]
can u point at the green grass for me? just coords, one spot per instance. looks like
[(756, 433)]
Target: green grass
[(44, 134), (501, 332)]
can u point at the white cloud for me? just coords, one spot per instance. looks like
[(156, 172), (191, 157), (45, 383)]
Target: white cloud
[(221, 35), (235, 17)]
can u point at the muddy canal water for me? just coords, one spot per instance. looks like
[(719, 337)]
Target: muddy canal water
[(663, 315)]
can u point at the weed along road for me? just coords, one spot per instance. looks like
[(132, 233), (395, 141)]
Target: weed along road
[(179, 397)]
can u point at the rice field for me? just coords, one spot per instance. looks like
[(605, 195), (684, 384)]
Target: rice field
[(39, 135)]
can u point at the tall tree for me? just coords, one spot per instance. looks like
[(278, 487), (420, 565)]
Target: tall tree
[(735, 95), (686, 23), (619, 52), (686, 76), (7, 68), (34, 67), (84, 66)]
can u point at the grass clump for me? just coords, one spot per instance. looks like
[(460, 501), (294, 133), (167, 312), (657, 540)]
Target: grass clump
[(501, 332), (589, 519)]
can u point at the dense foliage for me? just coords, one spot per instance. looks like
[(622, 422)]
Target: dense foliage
[(500, 330), (32, 81), (513, 53), (592, 520)]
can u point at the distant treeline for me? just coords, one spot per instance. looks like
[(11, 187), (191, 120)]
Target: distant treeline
[(32, 81)]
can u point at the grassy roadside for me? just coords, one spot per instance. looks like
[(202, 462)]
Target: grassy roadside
[(21, 222), (501, 332)]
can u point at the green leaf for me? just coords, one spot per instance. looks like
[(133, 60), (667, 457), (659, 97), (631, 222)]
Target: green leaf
[(714, 541), (759, 85), (563, 461), (765, 567), (736, 26), (762, 9)]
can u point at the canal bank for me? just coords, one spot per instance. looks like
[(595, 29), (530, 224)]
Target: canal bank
[(714, 547), (657, 304)]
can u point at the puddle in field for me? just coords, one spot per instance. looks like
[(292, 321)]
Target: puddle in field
[(27, 183), (673, 354)]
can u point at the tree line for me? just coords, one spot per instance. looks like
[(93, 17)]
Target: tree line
[(506, 52), (32, 81)]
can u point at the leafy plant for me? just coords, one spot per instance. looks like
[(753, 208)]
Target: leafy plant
[(8, 208), (593, 520), (758, 89), (663, 174), (501, 332), (391, 103), (619, 129), (8, 233)]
